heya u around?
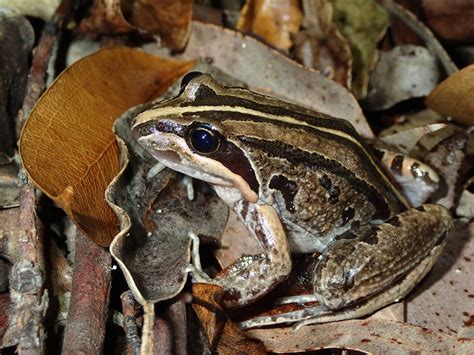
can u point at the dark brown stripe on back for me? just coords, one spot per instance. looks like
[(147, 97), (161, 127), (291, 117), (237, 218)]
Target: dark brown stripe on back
[(205, 96), (361, 151), (318, 162)]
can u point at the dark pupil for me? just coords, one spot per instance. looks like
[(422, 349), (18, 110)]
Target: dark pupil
[(203, 141)]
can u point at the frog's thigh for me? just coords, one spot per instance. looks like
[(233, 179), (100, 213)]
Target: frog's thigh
[(388, 260)]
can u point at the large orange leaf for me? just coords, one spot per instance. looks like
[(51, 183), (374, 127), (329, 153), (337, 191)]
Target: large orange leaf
[(67, 145)]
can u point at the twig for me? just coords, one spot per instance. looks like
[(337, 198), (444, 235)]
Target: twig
[(147, 330), (42, 53), (130, 323), (410, 19), (170, 329), (29, 299), (88, 310)]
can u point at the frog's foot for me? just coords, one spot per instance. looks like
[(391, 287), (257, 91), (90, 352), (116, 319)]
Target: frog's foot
[(195, 268), (300, 299), (188, 182), (155, 170)]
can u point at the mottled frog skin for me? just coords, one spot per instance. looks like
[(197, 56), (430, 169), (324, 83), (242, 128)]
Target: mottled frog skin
[(302, 182)]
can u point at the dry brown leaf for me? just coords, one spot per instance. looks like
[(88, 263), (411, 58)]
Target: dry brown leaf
[(106, 17), (453, 96), (447, 159), (444, 299), (67, 145), (451, 20), (170, 19), (274, 21), (224, 336), (374, 336), (320, 45), (236, 241), (156, 215)]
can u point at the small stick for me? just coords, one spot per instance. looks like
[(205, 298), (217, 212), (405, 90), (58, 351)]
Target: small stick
[(147, 330), (88, 310), (29, 299), (130, 323)]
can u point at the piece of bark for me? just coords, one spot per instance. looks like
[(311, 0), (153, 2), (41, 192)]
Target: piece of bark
[(170, 330), (16, 40), (29, 299), (4, 300), (88, 310)]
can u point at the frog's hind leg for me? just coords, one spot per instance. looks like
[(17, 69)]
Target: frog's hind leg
[(360, 267), (363, 272), (320, 314)]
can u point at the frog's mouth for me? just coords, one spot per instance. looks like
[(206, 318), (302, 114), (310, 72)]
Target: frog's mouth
[(173, 161), (174, 153), (183, 163)]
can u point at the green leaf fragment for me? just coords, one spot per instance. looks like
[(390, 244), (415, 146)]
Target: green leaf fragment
[(363, 23)]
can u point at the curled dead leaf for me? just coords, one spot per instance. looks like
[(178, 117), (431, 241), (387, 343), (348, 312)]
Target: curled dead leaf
[(156, 215), (170, 19), (67, 145), (363, 23), (224, 335), (274, 21)]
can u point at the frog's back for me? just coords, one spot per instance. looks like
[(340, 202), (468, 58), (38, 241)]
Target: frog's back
[(313, 168)]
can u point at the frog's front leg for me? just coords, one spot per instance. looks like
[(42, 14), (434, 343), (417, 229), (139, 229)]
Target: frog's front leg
[(251, 277), (360, 267)]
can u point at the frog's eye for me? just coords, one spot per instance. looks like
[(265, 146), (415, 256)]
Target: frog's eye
[(203, 140)]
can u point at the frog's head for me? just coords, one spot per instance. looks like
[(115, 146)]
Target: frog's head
[(187, 134)]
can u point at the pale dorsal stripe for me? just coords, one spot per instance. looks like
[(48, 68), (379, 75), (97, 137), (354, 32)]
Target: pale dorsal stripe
[(154, 114)]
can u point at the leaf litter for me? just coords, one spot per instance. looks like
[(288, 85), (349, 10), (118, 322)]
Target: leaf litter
[(271, 73)]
